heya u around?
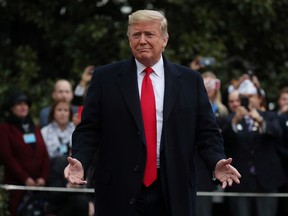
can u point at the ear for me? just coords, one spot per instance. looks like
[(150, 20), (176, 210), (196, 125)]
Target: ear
[(165, 41)]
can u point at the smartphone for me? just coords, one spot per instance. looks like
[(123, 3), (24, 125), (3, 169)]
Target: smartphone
[(245, 102), (207, 61)]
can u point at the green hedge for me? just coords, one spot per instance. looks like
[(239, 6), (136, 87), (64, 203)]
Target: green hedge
[(3, 197)]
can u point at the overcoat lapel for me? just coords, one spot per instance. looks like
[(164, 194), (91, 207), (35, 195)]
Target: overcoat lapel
[(172, 88), (127, 81), (128, 85)]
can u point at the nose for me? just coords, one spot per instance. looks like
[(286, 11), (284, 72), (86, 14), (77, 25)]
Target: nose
[(142, 39)]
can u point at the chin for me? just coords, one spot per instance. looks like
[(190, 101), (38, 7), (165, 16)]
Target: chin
[(144, 57)]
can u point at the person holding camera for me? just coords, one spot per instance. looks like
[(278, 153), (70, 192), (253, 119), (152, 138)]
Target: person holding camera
[(251, 137)]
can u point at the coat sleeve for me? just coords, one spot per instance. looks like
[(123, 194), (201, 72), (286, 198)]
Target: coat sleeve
[(86, 137), (208, 137)]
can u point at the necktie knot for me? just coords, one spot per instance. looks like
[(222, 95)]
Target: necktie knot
[(148, 70)]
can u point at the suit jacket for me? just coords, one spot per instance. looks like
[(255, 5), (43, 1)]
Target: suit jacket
[(112, 125), (283, 148), (255, 154), (204, 176)]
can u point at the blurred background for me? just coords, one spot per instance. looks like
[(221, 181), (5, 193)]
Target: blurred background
[(41, 41)]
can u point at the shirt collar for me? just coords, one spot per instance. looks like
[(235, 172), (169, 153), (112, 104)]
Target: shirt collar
[(158, 68)]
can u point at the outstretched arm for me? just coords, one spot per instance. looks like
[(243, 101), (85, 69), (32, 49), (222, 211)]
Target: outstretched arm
[(226, 173)]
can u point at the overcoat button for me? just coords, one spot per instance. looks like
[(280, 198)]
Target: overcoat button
[(136, 168), (132, 201)]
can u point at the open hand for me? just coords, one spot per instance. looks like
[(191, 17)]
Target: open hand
[(74, 172), (226, 173)]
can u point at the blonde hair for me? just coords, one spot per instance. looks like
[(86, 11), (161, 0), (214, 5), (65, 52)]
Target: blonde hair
[(146, 16), (222, 109)]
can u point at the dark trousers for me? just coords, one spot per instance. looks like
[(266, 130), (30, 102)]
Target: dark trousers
[(250, 206), (150, 201), (204, 206), (72, 204)]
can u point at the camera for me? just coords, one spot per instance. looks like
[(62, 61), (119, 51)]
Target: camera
[(212, 84), (207, 61), (244, 102)]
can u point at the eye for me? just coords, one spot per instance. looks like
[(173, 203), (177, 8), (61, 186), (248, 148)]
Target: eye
[(149, 35), (136, 35)]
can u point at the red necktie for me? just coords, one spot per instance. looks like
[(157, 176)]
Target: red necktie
[(149, 120)]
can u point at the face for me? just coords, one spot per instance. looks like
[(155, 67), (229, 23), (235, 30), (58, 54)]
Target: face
[(147, 42), (62, 113), (63, 91), (20, 110), (283, 100), (209, 85), (233, 101)]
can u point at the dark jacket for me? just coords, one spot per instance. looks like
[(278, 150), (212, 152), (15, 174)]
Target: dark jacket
[(255, 154), (283, 148), (21, 160), (112, 124)]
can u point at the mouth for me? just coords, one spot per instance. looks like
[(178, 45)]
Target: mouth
[(143, 50)]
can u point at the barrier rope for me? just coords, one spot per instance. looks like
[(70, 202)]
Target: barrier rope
[(91, 190), (54, 189)]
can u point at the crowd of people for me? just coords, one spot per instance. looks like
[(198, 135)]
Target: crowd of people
[(36, 154), (255, 137)]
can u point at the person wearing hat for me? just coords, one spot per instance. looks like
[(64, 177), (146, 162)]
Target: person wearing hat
[(23, 151), (252, 138)]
